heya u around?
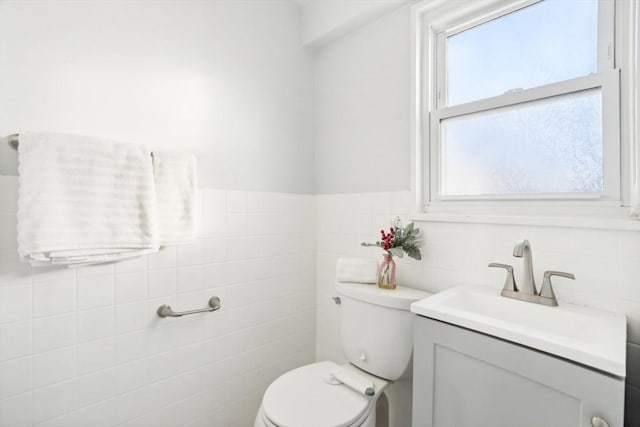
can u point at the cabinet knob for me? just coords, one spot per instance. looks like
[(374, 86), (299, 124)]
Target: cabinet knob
[(598, 422)]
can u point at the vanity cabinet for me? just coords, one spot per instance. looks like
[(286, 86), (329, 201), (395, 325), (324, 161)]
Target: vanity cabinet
[(464, 378)]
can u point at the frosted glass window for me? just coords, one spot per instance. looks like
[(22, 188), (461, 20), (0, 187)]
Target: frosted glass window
[(550, 41), (554, 145)]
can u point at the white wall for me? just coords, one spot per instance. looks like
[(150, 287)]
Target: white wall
[(84, 347), (362, 110), (226, 80), (326, 20)]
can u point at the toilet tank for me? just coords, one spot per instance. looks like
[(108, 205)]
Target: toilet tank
[(376, 327)]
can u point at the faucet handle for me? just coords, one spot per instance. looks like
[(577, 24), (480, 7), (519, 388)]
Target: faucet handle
[(547, 290), (510, 282)]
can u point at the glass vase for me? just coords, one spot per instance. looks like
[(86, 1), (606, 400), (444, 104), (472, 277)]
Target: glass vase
[(387, 273)]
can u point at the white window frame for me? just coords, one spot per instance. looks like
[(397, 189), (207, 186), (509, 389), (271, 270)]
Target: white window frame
[(433, 21)]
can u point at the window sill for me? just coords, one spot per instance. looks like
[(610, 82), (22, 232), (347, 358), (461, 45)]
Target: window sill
[(593, 222)]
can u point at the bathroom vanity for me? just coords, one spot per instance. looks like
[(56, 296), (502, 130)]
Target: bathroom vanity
[(484, 360)]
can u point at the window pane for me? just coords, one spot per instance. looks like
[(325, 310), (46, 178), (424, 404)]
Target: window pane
[(552, 145), (547, 42)]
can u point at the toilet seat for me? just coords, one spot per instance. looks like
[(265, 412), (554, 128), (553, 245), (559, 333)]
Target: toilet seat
[(305, 397)]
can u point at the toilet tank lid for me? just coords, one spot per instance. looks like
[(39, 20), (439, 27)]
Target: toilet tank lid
[(400, 298)]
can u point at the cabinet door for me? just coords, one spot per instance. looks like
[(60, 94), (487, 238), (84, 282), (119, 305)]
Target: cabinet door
[(464, 378)]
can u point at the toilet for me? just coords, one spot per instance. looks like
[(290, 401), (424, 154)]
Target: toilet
[(377, 340)]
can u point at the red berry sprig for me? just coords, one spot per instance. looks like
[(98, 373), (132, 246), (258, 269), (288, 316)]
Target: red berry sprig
[(387, 239)]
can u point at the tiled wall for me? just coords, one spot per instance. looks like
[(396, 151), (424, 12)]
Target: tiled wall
[(606, 264), (84, 347)]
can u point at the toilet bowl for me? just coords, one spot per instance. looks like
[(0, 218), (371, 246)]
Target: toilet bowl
[(376, 335), (307, 397)]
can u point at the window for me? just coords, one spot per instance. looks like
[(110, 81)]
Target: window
[(520, 105)]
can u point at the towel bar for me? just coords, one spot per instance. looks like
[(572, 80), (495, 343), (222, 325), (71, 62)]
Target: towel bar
[(166, 311), (13, 141)]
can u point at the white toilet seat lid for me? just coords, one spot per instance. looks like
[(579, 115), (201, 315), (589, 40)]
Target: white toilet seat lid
[(304, 397)]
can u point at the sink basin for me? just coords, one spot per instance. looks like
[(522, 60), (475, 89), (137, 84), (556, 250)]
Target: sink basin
[(588, 336)]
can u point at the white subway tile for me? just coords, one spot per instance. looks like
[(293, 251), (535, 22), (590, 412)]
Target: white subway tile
[(49, 274), (162, 283), (190, 254), (629, 276), (261, 202), (54, 332), (88, 351), (15, 339), (215, 275), (189, 383), (237, 201), (166, 257), (131, 287), (244, 340), (54, 366), (131, 347), (162, 366), (236, 225), (95, 324), (218, 325), (96, 270), (12, 271), (214, 224), (164, 416), (95, 355), (15, 302), (215, 250), (237, 248), (238, 271), (132, 265), (132, 405), (131, 317), (190, 279), (17, 411), (192, 301), (190, 357), (54, 400), (95, 387), (15, 377), (102, 414), (95, 291), (214, 201), (131, 376), (189, 409), (56, 297)]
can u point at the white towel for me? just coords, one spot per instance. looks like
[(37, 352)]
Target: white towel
[(84, 200), (356, 270), (175, 180), (357, 382)]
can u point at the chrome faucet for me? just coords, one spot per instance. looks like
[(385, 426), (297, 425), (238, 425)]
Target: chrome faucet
[(522, 249), (528, 291)]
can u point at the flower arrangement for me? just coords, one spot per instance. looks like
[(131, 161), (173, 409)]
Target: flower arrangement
[(397, 241)]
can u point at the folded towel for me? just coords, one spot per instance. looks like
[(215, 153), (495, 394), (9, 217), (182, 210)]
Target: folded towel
[(175, 181), (84, 200), (351, 379), (356, 270)]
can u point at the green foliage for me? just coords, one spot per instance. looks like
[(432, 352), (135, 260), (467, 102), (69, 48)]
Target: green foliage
[(406, 240)]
